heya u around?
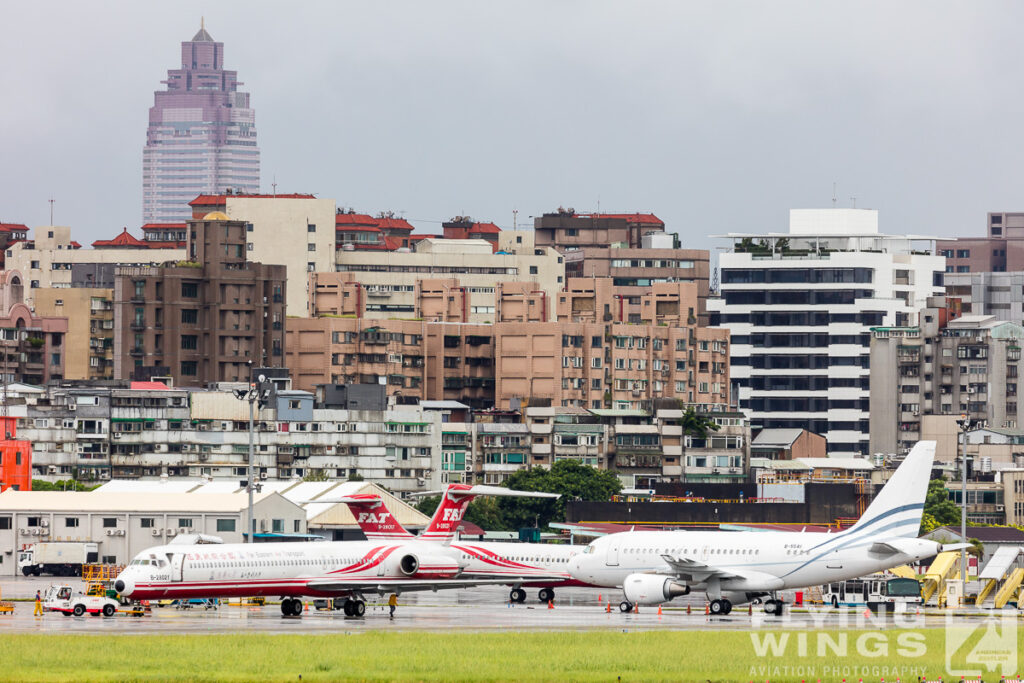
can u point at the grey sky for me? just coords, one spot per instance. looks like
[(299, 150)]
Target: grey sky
[(716, 116)]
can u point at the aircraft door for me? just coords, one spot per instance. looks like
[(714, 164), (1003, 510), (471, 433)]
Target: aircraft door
[(177, 566), (612, 559)]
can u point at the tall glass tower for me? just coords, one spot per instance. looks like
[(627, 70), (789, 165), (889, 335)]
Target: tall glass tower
[(201, 137)]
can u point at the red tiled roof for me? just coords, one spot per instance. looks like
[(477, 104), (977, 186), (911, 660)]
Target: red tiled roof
[(151, 386), (347, 219), (630, 217), (394, 224), (356, 227), (219, 199), (12, 227), (164, 226), (490, 228), (75, 245), (125, 239), (425, 237)]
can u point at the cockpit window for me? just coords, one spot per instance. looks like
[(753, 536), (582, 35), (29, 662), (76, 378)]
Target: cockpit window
[(589, 550)]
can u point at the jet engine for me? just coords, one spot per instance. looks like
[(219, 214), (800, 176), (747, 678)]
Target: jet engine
[(421, 566), (652, 589)]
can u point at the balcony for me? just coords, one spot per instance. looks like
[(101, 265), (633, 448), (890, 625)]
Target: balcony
[(138, 351), (138, 325)]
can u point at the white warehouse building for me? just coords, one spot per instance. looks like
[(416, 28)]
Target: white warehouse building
[(800, 307)]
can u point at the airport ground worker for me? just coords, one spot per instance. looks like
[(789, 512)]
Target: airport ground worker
[(393, 603), (39, 605)]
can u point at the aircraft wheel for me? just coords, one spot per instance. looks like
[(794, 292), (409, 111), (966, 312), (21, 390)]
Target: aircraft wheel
[(726, 606), (517, 595), (546, 595), (349, 607), (625, 606), (719, 607), (358, 608)]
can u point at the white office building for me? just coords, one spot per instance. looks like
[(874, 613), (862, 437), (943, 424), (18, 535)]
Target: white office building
[(800, 306)]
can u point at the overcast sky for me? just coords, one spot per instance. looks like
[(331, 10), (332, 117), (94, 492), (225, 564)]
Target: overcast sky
[(717, 116)]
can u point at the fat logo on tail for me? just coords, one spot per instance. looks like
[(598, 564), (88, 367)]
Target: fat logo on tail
[(448, 515), (374, 518)]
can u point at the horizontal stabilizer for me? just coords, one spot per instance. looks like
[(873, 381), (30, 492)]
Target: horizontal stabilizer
[(194, 539), (489, 491), (950, 547)]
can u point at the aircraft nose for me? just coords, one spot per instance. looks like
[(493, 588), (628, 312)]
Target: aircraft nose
[(124, 585), (575, 565)]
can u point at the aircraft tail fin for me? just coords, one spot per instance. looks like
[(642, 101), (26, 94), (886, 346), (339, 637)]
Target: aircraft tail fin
[(374, 517), (896, 510), (448, 514)]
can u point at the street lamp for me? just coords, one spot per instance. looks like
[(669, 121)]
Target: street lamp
[(257, 392), (965, 423)]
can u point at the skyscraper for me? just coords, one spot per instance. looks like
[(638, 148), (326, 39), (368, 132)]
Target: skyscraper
[(201, 136)]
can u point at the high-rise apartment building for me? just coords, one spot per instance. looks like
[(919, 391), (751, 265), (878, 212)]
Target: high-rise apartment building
[(800, 307), (1002, 250), (201, 136), (201, 320)]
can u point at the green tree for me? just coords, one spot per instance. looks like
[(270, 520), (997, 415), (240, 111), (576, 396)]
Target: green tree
[(697, 425), (939, 510), (570, 479), (428, 505), (62, 485)]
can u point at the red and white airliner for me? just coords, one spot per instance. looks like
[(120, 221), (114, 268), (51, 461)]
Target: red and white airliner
[(194, 566), (536, 565)]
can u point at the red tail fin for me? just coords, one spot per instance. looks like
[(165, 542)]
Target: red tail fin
[(445, 521), (374, 518)]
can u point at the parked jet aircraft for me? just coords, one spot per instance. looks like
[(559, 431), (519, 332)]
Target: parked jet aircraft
[(734, 567), (530, 565), (188, 567)]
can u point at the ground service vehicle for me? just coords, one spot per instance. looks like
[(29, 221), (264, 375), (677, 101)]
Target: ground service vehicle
[(877, 592), (58, 558), (62, 598)]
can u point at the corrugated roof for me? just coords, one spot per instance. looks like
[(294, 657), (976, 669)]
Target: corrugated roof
[(443, 405), (618, 412), (78, 501), (838, 463), (776, 437)]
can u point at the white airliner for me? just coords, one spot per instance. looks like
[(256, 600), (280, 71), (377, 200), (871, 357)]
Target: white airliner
[(195, 567), (735, 567), (530, 565)]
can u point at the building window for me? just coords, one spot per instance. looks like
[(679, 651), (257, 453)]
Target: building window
[(185, 522), (277, 526), (310, 227), (34, 284), (34, 265), (71, 522), (146, 522), (311, 246), (109, 522), (248, 227), (963, 253), (225, 525), (189, 341), (5, 523), (190, 290), (533, 270), (189, 368), (189, 316), (58, 302)]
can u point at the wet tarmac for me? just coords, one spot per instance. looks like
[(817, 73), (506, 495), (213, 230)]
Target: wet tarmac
[(479, 609)]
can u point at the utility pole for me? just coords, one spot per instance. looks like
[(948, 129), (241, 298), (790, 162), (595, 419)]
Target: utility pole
[(255, 394), (965, 426)]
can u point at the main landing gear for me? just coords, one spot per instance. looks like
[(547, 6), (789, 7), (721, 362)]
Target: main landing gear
[(720, 607), (546, 595), (773, 607), (517, 595), (291, 607), (354, 608)]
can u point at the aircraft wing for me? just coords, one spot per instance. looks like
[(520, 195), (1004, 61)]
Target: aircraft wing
[(696, 572), (386, 585)]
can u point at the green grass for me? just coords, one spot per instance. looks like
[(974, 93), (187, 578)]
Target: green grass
[(451, 656)]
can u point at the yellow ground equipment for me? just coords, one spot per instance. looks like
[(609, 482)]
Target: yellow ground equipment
[(944, 567), (6, 607), (1009, 588), (904, 572)]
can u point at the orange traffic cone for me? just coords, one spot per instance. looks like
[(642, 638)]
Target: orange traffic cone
[(608, 607), (599, 597), (687, 608), (707, 608), (750, 610), (636, 608), (551, 604), (307, 605), (659, 611)]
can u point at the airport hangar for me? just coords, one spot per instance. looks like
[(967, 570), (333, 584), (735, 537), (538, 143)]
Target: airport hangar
[(124, 517)]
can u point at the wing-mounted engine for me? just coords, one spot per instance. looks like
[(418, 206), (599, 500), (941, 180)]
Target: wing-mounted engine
[(652, 589), (418, 565)]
